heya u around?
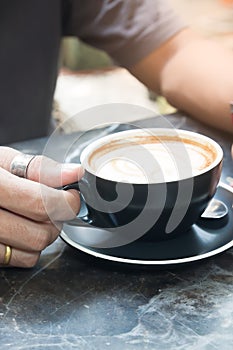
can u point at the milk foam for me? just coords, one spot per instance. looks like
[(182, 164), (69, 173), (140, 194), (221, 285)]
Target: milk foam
[(152, 162)]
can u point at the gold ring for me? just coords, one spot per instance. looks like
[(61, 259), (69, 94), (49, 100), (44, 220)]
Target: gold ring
[(7, 256), (20, 163)]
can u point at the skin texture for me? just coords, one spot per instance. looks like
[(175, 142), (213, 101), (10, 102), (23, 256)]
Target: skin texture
[(194, 74), (33, 210)]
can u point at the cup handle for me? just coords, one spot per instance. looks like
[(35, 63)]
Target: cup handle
[(80, 219)]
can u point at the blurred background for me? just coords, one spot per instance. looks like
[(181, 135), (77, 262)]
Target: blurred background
[(88, 77)]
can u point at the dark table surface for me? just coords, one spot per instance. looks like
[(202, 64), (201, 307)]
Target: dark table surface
[(72, 300)]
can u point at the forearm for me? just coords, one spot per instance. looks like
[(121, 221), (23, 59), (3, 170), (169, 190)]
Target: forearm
[(194, 74), (199, 80)]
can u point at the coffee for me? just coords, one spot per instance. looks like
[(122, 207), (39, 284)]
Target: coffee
[(143, 157), (148, 184)]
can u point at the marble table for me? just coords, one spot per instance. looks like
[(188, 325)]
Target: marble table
[(72, 300)]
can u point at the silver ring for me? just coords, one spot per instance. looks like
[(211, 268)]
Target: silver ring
[(20, 163)]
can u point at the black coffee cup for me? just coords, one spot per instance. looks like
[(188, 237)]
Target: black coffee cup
[(149, 184)]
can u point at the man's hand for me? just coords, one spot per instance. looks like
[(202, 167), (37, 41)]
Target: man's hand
[(32, 210)]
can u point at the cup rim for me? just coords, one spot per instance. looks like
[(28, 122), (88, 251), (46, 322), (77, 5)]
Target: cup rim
[(158, 132)]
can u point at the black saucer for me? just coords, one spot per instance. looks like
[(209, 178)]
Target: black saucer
[(203, 240)]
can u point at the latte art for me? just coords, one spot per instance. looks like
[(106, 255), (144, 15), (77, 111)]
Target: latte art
[(140, 184), (150, 159)]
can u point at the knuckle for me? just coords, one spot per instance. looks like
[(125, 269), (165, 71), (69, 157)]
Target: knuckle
[(39, 167), (40, 213), (45, 236), (55, 231), (39, 205), (31, 260), (49, 205), (28, 260), (6, 156), (72, 204), (41, 241)]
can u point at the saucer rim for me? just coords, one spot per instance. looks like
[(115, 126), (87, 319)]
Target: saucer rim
[(153, 262)]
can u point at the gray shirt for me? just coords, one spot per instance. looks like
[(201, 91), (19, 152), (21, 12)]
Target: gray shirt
[(127, 29), (30, 33)]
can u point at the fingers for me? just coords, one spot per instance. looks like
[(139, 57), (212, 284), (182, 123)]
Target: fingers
[(7, 154), (26, 238), (34, 200), (26, 234), (31, 208), (19, 258), (44, 170), (26, 247), (37, 201), (51, 173)]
